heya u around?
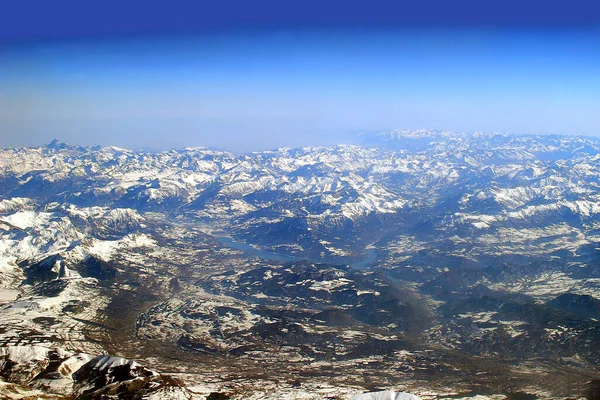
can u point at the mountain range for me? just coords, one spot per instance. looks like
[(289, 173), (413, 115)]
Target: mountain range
[(449, 265)]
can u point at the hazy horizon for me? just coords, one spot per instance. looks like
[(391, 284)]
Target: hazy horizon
[(351, 139), (264, 86)]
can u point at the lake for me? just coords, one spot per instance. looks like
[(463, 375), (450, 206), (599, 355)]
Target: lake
[(266, 255)]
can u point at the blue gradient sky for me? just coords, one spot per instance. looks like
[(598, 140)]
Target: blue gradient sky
[(254, 88)]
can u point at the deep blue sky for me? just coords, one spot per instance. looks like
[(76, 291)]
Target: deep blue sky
[(262, 75)]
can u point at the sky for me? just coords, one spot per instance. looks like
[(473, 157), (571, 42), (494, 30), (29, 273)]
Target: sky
[(246, 79)]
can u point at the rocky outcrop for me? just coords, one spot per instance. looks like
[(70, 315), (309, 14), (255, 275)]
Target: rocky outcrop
[(41, 372)]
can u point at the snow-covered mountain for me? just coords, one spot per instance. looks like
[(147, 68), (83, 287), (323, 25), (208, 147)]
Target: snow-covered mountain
[(460, 245)]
